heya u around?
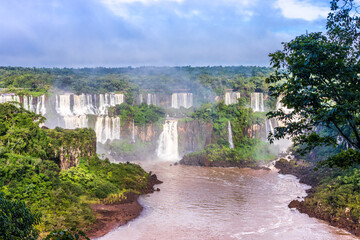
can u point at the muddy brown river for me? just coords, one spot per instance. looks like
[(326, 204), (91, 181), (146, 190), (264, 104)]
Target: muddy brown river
[(223, 203)]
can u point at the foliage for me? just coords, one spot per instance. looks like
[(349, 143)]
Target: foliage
[(338, 195), (142, 114), (17, 221), (33, 176), (71, 234), (204, 82), (344, 159), (317, 77), (20, 132), (240, 117)]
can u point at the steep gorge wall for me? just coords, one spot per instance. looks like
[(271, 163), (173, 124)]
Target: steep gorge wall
[(70, 146), (194, 135)]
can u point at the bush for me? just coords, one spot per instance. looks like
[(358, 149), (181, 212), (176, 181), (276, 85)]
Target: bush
[(104, 189), (17, 221)]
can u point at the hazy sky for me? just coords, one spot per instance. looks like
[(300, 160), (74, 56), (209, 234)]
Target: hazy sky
[(78, 33)]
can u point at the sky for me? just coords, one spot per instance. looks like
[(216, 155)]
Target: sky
[(121, 33)]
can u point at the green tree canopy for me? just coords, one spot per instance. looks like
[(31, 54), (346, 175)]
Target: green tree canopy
[(317, 77)]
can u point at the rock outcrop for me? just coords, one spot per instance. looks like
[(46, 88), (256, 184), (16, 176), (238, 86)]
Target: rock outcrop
[(71, 145)]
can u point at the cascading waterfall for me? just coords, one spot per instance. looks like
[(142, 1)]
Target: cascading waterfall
[(72, 122), (257, 102), (9, 97), (75, 108), (181, 100), (107, 128), (151, 99), (35, 104), (230, 137), (30, 103), (84, 104), (141, 99), (168, 148), (41, 108), (109, 99), (231, 97), (62, 105), (133, 132), (74, 105), (268, 127)]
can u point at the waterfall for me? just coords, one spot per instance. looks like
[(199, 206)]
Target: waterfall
[(230, 138), (72, 122), (133, 132), (140, 99), (257, 102), (231, 97), (268, 127), (62, 105), (109, 99), (9, 97), (181, 100), (75, 108), (40, 106), (84, 104), (107, 128), (30, 103), (168, 148), (151, 99)]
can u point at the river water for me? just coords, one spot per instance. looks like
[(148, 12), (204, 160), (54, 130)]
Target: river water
[(223, 203)]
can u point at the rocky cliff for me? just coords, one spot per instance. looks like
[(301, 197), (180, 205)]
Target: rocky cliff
[(71, 145), (194, 135)]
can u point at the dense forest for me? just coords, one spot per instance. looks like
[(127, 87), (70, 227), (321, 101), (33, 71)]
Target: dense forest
[(30, 171), (204, 82)]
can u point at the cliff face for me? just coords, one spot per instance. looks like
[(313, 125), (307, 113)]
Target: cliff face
[(145, 145), (146, 133), (194, 135), (256, 131), (71, 145)]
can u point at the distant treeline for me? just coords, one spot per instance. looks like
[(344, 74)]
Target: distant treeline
[(202, 81)]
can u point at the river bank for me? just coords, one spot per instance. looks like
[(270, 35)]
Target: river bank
[(223, 203), (110, 216), (202, 160), (317, 204)]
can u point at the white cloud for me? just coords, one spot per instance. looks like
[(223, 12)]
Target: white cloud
[(120, 7), (123, 8), (301, 9), (117, 2)]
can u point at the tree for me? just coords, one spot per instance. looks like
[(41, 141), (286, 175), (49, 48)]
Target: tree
[(317, 77), (17, 221)]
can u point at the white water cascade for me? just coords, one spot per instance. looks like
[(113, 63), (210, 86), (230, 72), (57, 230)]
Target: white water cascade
[(181, 100), (75, 108), (141, 99), (107, 128), (72, 122), (257, 102), (231, 97), (69, 104), (9, 97), (30, 103), (62, 105), (230, 137), (35, 104), (151, 99), (168, 148), (109, 99), (84, 104), (268, 127), (133, 132)]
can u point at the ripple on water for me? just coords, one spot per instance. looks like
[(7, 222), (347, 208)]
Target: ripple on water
[(223, 203)]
